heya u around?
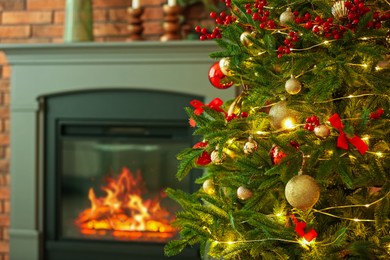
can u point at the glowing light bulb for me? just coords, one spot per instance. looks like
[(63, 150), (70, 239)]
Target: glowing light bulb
[(367, 205), (379, 154), (288, 123), (356, 219), (230, 242)]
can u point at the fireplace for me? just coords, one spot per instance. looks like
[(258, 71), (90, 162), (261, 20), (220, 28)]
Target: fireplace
[(109, 155), (79, 112)]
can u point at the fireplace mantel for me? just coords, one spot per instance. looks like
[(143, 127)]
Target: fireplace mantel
[(45, 69)]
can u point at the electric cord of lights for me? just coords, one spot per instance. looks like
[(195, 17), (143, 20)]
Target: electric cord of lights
[(322, 211)]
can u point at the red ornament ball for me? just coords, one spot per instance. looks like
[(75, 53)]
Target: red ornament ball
[(217, 78)]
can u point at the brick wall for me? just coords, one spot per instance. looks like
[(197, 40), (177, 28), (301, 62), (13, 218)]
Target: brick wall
[(41, 21)]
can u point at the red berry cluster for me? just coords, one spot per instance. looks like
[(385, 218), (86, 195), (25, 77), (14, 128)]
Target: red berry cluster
[(222, 18), (356, 9), (259, 14), (376, 20), (234, 116), (311, 123), (325, 27), (377, 114), (205, 35), (288, 43)]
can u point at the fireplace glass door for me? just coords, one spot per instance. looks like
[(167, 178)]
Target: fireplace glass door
[(112, 185), (109, 155)]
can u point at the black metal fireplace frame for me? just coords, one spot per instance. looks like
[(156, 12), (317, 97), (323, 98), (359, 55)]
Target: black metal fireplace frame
[(159, 112)]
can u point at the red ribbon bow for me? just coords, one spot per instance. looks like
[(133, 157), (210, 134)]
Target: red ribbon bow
[(215, 104), (343, 139), (300, 229)]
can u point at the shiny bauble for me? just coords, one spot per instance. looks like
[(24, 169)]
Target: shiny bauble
[(217, 78), (302, 192), (224, 64), (282, 117), (293, 86), (216, 157), (245, 39), (244, 193), (208, 187), (339, 11), (250, 146), (322, 131), (287, 17)]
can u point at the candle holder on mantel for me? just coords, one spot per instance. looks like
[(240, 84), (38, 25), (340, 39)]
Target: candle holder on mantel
[(136, 28), (171, 24)]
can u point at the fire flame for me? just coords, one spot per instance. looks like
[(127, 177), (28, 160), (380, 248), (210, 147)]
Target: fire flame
[(124, 212)]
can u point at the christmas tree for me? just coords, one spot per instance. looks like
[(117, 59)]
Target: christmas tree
[(297, 165)]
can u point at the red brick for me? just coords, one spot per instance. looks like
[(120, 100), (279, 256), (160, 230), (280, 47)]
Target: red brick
[(100, 15), (4, 247), (19, 31), (12, 4), (47, 30), (4, 221), (59, 17), (5, 233), (6, 71), (4, 139), (27, 17), (4, 168), (4, 192), (45, 4), (119, 15), (110, 29), (4, 152), (111, 3), (29, 40), (7, 206), (153, 2), (153, 28), (153, 14), (3, 58)]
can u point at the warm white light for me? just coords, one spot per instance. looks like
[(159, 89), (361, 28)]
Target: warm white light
[(379, 154), (230, 242), (326, 42), (356, 219), (350, 96), (288, 123), (367, 205)]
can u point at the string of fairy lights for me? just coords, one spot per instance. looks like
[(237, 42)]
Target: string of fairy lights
[(302, 241)]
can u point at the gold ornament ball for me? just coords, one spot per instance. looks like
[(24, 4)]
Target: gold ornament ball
[(339, 10), (293, 86), (208, 187), (279, 114), (322, 131), (245, 39), (224, 64), (250, 146), (302, 192), (216, 158), (244, 193), (287, 17)]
